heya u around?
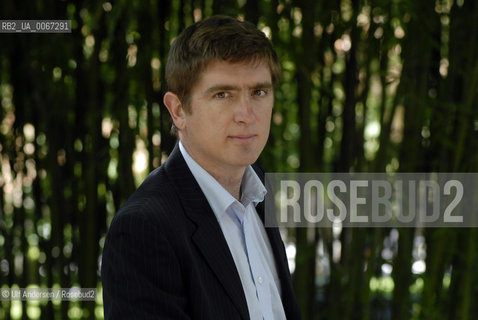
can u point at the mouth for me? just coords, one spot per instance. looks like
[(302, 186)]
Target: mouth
[(243, 138)]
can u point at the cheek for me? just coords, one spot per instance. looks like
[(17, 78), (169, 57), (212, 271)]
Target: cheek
[(211, 127), (265, 117)]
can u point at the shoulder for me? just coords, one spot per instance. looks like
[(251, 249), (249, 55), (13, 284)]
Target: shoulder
[(153, 205)]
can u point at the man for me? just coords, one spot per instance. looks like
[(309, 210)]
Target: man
[(190, 243)]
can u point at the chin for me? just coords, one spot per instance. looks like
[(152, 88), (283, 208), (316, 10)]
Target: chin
[(245, 160)]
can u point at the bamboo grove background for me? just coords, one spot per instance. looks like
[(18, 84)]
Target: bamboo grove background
[(368, 85)]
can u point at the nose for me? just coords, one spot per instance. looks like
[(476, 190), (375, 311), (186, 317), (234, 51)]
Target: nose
[(244, 112)]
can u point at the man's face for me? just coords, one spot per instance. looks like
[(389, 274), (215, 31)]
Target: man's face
[(228, 122)]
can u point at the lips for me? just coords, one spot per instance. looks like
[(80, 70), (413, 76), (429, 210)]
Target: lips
[(243, 137)]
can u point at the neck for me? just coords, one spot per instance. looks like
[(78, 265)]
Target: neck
[(230, 182), (229, 177)]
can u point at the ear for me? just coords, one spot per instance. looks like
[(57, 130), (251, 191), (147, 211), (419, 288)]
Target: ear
[(175, 108)]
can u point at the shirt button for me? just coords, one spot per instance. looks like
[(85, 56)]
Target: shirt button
[(260, 280)]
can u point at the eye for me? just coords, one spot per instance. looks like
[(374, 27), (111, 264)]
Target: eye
[(221, 95), (260, 93)]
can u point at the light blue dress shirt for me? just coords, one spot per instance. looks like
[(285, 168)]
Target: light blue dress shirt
[(246, 238)]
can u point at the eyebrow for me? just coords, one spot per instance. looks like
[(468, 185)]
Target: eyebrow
[(226, 87)]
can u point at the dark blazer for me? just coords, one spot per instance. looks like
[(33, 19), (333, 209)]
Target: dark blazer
[(165, 256)]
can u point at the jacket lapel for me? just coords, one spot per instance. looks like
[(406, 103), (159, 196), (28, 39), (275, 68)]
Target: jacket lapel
[(208, 236)]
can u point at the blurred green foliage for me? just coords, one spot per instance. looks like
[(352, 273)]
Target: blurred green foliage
[(368, 85)]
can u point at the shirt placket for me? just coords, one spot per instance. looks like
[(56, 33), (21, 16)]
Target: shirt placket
[(258, 273)]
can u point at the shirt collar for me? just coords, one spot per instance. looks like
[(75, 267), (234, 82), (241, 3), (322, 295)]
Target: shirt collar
[(252, 189)]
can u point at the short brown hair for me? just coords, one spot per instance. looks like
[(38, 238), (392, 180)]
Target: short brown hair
[(216, 38)]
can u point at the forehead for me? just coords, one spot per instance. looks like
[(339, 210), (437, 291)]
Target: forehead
[(248, 73)]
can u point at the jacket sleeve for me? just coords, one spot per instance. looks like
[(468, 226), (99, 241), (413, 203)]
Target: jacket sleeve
[(140, 272)]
